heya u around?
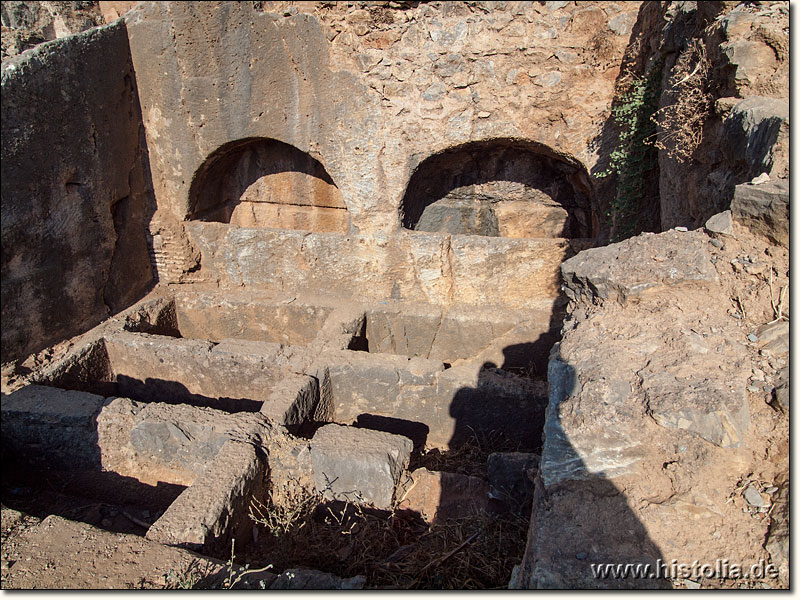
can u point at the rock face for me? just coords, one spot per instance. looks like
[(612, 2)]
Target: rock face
[(75, 188), (26, 24), (359, 465), (651, 417), (392, 82), (719, 75)]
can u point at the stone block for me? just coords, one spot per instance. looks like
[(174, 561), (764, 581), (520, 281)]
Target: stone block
[(53, 427), (438, 495), (526, 219), (647, 261), (248, 316), (293, 401), (214, 509), (764, 209), (160, 442), (359, 465), (233, 375)]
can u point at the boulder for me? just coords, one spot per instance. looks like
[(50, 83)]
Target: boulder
[(359, 465), (764, 209)]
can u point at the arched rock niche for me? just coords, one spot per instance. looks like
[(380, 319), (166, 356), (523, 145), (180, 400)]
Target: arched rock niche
[(500, 187), (261, 182)]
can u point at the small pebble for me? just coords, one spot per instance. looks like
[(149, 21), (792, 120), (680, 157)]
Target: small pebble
[(758, 374), (680, 229), (752, 337), (717, 244), (754, 497), (764, 352), (771, 489), (692, 585), (581, 556), (753, 388)]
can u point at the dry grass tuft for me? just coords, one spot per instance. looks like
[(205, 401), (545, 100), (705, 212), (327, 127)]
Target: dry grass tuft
[(394, 550), (681, 123)]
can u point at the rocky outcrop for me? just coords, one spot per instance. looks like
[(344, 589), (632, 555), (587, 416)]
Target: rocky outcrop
[(75, 189), (26, 24), (658, 415), (723, 113)]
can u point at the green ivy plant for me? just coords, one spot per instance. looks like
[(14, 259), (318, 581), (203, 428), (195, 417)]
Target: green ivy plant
[(634, 155)]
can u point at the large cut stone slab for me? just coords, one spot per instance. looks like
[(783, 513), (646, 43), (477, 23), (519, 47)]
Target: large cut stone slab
[(213, 510), (628, 268), (359, 465), (55, 427), (161, 442)]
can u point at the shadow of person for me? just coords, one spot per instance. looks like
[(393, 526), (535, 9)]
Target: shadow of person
[(580, 518), (583, 533)]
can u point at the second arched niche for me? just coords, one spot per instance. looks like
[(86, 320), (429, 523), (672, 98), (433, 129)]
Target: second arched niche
[(501, 188)]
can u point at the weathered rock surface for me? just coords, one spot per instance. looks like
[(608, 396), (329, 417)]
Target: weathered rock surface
[(439, 495), (359, 465), (72, 156), (755, 130), (652, 428), (764, 209), (54, 427), (626, 269)]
